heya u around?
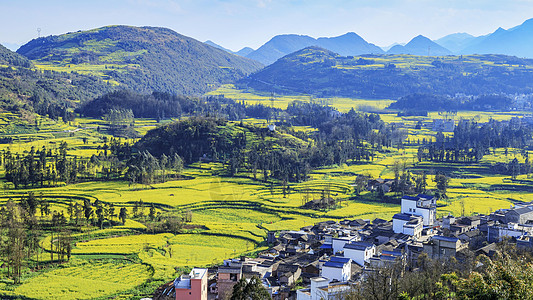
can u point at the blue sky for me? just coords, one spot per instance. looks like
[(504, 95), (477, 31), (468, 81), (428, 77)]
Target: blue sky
[(238, 23)]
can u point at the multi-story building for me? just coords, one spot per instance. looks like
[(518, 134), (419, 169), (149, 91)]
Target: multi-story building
[(421, 205), (192, 286)]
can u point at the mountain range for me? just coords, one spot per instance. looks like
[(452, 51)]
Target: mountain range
[(281, 45), (517, 41)]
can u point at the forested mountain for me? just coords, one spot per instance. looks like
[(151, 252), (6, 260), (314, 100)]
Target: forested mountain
[(281, 45), (321, 72), (22, 88), (140, 58), (420, 45)]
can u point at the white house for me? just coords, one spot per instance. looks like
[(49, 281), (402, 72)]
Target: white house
[(338, 243), (407, 224), (421, 205), (321, 289), (339, 268), (359, 252)]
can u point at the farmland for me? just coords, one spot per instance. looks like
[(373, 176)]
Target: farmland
[(230, 216)]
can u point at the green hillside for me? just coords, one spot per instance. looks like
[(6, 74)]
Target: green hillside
[(140, 58), (323, 73), (23, 88)]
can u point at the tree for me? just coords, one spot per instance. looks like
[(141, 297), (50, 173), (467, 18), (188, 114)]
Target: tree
[(87, 209), (249, 290), (123, 214), (441, 182)]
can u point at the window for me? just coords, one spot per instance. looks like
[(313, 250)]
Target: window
[(233, 277)]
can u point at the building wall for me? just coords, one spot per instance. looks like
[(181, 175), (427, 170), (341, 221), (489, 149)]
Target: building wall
[(360, 256), (332, 273), (428, 214), (225, 284), (415, 231), (338, 244), (397, 225), (198, 290)]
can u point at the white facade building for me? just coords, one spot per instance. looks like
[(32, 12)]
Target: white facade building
[(338, 243), (339, 268), (407, 224), (321, 289), (359, 252), (421, 205)]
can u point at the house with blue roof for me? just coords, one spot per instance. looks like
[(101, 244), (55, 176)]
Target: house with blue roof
[(359, 252), (408, 224), (337, 268)]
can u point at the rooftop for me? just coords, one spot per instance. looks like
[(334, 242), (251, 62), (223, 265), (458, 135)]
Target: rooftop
[(358, 246), (184, 281), (445, 238)]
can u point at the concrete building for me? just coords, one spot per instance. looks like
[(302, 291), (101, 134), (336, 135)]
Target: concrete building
[(359, 252), (387, 258), (441, 247), (408, 224), (338, 243), (322, 289), (227, 278), (192, 286), (339, 268), (421, 205), (497, 231)]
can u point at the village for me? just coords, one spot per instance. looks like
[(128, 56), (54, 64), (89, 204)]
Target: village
[(327, 259)]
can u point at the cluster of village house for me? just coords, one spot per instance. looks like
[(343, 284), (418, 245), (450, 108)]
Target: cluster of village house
[(329, 257)]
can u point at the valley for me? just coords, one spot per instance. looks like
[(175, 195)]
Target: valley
[(228, 216)]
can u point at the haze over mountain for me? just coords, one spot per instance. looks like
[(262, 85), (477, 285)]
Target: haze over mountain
[(516, 41), (456, 42), (141, 58), (244, 51), (281, 45), (420, 45)]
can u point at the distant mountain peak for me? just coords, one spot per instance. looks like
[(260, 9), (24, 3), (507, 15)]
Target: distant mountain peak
[(420, 45), (347, 44)]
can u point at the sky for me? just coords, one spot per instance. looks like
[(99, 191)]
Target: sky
[(235, 24)]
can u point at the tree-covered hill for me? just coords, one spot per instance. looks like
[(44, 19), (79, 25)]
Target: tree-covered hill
[(324, 73), (140, 58), (23, 88)]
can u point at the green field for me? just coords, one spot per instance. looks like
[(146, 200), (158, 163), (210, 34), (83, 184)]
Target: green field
[(230, 215)]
